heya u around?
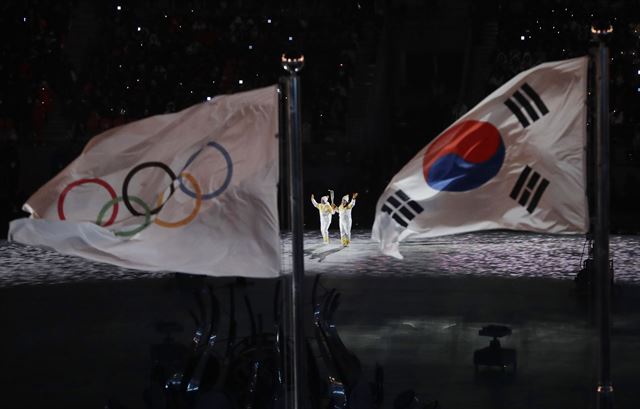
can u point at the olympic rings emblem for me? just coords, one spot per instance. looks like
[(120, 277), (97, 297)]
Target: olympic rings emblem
[(194, 191)]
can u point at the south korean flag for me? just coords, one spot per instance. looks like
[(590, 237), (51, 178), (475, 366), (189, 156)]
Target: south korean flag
[(515, 161)]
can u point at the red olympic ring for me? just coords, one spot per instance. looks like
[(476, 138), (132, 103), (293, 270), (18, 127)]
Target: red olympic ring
[(79, 182)]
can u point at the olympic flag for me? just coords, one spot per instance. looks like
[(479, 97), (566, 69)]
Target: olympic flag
[(192, 192), (515, 161)]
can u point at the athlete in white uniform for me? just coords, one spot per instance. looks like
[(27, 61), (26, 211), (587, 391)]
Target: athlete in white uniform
[(344, 211), (326, 210)]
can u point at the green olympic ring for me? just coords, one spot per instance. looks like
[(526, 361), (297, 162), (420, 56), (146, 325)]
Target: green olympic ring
[(147, 215)]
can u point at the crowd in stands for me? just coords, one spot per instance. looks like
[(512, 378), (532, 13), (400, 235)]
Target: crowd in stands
[(32, 63), (148, 61), (155, 57), (32, 67)]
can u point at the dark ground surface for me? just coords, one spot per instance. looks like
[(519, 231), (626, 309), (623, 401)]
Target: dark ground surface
[(76, 344)]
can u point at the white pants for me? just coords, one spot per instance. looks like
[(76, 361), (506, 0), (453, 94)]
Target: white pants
[(345, 227), (325, 222)]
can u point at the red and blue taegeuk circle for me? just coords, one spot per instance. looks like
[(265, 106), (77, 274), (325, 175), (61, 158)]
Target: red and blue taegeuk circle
[(464, 157)]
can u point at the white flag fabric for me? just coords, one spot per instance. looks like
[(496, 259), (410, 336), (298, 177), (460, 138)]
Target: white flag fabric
[(193, 192), (515, 161)]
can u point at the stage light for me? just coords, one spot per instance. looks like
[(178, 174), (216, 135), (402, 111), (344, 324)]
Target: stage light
[(638, 72), (240, 82), (139, 28), (118, 8), (24, 19), (250, 47), (522, 38), (601, 27), (292, 64), (290, 38), (268, 21), (208, 98)]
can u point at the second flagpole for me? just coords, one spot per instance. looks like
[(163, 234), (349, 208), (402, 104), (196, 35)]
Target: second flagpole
[(294, 133), (603, 278)]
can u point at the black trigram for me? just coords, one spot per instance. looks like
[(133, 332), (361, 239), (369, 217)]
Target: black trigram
[(529, 188), (526, 98), (401, 208)]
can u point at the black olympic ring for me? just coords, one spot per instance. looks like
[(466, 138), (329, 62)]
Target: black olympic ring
[(127, 179)]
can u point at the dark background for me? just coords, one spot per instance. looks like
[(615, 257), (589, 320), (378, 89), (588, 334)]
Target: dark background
[(382, 78)]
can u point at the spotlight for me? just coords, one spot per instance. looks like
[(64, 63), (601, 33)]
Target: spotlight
[(119, 8), (596, 29), (601, 25), (292, 64)]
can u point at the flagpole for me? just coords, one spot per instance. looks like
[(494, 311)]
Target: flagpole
[(601, 229), (293, 66)]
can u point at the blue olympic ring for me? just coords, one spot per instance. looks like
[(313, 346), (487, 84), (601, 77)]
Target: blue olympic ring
[(227, 179)]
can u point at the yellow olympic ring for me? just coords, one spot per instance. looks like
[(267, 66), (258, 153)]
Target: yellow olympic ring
[(193, 214)]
